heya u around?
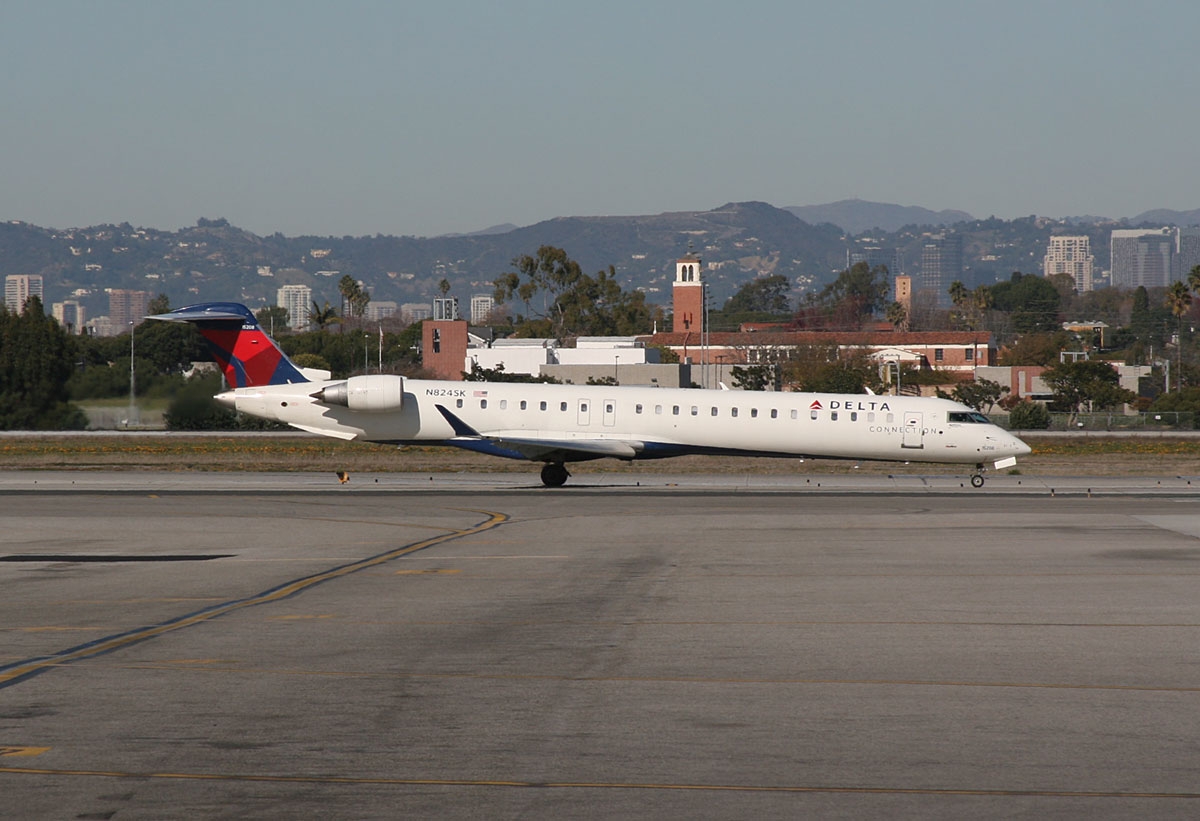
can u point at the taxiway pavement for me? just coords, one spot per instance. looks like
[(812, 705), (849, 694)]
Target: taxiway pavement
[(266, 647)]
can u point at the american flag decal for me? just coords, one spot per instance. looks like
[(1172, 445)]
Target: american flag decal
[(478, 394)]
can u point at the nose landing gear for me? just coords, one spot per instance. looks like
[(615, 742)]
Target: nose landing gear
[(977, 477)]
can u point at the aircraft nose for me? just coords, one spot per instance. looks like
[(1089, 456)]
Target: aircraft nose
[(1019, 448)]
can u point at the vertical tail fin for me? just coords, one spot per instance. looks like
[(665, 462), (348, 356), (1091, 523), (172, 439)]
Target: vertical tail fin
[(245, 353)]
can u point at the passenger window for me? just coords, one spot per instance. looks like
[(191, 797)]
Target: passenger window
[(754, 413), (812, 414), (870, 416), (795, 413), (458, 403), (695, 411), (774, 413), (582, 407), (714, 410), (562, 406), (608, 408), (524, 404), (483, 403), (637, 408), (503, 404), (658, 409), (853, 416), (675, 409), (543, 404), (891, 417), (733, 412), (833, 415)]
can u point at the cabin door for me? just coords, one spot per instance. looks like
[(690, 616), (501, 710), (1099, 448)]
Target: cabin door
[(610, 412), (913, 431), (585, 412)]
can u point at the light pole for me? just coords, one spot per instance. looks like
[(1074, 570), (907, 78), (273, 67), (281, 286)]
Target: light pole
[(617, 369), (132, 379), (366, 361)]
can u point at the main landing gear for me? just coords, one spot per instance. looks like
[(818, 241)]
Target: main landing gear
[(554, 474), (977, 477)]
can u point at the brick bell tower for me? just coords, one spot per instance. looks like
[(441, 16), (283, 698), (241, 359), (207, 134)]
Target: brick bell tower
[(687, 295)]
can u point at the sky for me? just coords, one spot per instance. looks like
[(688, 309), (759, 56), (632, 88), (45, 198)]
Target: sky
[(425, 118)]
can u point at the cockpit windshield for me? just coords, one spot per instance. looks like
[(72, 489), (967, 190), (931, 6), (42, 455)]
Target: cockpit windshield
[(969, 417)]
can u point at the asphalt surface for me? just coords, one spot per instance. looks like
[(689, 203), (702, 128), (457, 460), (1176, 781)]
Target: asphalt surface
[(281, 646)]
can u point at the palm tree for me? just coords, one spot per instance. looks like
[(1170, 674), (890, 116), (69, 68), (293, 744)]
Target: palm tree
[(322, 318), (1179, 300), (897, 315), (1193, 279)]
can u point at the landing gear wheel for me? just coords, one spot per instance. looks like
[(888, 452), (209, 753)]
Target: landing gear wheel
[(554, 475), (977, 480)]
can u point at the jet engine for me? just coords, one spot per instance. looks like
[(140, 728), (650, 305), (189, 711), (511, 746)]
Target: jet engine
[(380, 392)]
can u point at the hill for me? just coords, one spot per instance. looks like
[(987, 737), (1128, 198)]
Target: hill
[(857, 216), (1166, 216), (214, 260)]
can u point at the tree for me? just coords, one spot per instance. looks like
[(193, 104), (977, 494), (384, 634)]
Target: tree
[(159, 305), (763, 295), (1093, 383), (1035, 349), (36, 358), (981, 394), (844, 304), (562, 301), (1179, 300), (897, 316), (274, 319), (752, 377), (1026, 415), (354, 297), (498, 374), (1031, 300), (322, 317)]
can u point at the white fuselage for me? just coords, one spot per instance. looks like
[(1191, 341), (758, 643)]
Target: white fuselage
[(654, 422)]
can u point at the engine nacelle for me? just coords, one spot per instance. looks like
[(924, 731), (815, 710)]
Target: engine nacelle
[(380, 392)]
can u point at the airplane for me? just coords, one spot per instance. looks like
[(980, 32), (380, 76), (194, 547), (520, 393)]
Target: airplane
[(559, 424)]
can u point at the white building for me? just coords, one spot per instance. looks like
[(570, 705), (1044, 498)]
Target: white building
[(18, 288), (481, 308), (615, 356), (382, 309), (1071, 255), (71, 315), (296, 300), (411, 312)]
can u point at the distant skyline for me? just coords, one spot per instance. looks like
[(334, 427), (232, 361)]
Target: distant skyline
[(422, 119)]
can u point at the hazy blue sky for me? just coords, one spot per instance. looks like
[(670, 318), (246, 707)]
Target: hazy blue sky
[(427, 118)]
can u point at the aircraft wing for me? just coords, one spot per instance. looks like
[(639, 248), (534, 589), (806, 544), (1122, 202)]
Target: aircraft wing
[(537, 448)]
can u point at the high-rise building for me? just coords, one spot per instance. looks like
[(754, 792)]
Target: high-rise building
[(876, 257), (1143, 256), (125, 307), (941, 263), (18, 288), (1071, 255), (481, 308), (1187, 251), (71, 315), (295, 299)]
